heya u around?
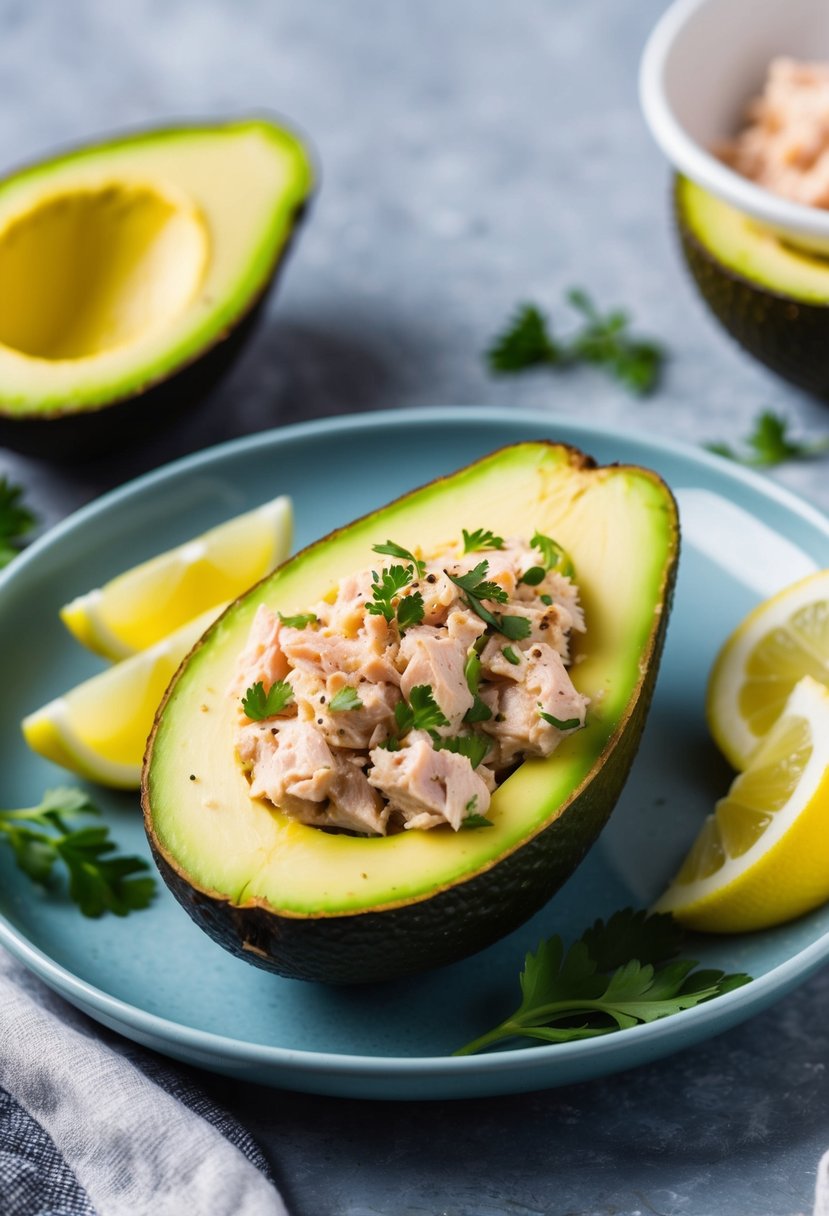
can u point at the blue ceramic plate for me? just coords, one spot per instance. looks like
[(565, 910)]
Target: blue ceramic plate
[(157, 979)]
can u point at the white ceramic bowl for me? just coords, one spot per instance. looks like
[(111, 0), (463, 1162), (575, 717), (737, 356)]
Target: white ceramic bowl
[(704, 61)]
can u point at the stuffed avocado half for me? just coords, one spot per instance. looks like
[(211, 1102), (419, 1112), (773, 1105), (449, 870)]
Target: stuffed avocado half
[(129, 273), (338, 907), (772, 297)]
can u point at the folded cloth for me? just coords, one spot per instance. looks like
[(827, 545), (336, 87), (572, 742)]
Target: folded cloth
[(91, 1125)]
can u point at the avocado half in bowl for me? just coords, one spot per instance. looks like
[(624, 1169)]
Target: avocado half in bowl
[(771, 296), (341, 908), (131, 272)]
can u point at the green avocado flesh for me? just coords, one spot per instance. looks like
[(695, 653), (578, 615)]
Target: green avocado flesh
[(121, 262), (772, 297), (335, 907)]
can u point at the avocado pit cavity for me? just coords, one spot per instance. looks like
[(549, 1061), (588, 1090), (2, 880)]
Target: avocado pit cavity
[(91, 269)]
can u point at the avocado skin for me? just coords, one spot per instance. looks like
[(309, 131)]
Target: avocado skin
[(462, 919), (90, 432), (789, 336)]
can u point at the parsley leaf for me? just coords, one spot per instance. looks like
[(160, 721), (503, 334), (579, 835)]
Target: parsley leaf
[(476, 588), (603, 340), (386, 588), (525, 342), (346, 698), (410, 610), (478, 711), (474, 747), (476, 821), (769, 444), (617, 975), (480, 539), (300, 621), (16, 520), (560, 723), (533, 576), (258, 704), (474, 582), (393, 550), (553, 555), (41, 835), (421, 713)]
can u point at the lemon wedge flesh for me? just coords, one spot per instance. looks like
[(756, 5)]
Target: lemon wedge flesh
[(140, 607), (783, 639), (99, 728), (762, 858)]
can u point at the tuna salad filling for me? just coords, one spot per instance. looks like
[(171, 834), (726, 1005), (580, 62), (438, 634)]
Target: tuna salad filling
[(402, 699)]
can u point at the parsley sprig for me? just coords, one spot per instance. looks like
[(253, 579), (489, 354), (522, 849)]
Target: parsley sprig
[(259, 704), (300, 621), (347, 698), (620, 973), (40, 836), (421, 713), (769, 444), (16, 520), (386, 598), (394, 550), (474, 747), (553, 555), (476, 588), (604, 340), (481, 538)]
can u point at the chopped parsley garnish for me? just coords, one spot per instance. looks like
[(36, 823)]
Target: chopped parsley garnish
[(39, 836), (476, 588), (410, 610), (619, 974), (479, 711), (386, 588), (421, 713), (476, 821), (299, 621), (346, 698), (561, 724), (390, 549), (474, 747), (510, 655), (533, 576), (16, 520), (481, 538), (546, 599), (553, 555), (769, 444), (258, 704), (603, 340), (472, 672), (475, 584)]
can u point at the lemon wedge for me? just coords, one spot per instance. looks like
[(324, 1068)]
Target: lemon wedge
[(140, 607), (100, 728), (762, 858), (784, 638)]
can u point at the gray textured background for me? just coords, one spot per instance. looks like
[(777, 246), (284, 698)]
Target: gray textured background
[(474, 154)]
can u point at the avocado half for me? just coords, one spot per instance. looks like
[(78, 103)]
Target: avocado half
[(771, 296), (316, 905), (131, 273)]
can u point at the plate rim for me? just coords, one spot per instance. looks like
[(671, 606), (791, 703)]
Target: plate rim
[(694, 1022)]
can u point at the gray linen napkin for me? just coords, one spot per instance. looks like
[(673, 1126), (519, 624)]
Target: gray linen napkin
[(91, 1125)]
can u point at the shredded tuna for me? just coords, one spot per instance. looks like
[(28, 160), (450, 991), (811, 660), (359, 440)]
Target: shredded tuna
[(375, 733), (785, 146)]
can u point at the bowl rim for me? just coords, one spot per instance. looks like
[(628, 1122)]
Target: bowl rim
[(696, 162)]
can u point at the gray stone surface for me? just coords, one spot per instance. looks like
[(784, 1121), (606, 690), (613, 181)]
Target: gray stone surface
[(474, 154)]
